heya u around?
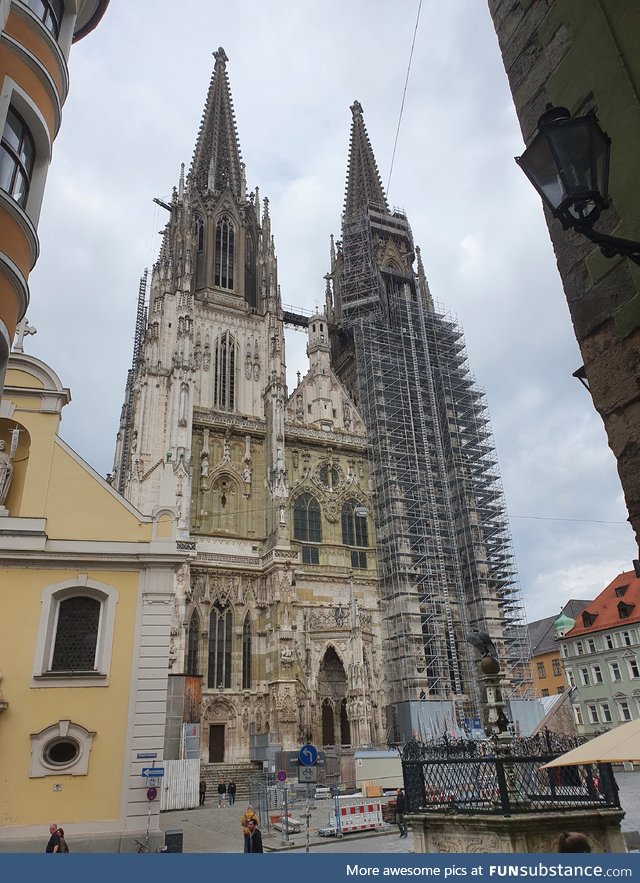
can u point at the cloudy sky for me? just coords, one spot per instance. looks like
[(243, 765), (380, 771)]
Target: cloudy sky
[(138, 86)]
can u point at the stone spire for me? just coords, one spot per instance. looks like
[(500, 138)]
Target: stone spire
[(217, 163), (364, 187)]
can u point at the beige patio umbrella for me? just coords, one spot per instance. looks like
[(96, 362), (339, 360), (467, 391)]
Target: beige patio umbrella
[(617, 746)]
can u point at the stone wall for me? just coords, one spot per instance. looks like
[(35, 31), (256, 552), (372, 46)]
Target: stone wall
[(584, 56)]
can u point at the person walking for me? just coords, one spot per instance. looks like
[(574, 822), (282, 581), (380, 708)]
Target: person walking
[(255, 837), (203, 791), (222, 790), (64, 847), (248, 816), (401, 808), (54, 839), (231, 791)]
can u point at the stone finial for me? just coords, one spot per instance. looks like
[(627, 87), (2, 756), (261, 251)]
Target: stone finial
[(220, 57), (356, 109)]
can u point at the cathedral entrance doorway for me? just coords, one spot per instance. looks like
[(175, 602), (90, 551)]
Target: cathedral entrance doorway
[(216, 743), (332, 700)]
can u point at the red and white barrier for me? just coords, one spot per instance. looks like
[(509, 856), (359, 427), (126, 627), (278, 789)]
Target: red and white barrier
[(357, 814)]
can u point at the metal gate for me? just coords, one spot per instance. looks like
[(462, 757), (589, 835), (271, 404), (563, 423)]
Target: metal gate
[(180, 785)]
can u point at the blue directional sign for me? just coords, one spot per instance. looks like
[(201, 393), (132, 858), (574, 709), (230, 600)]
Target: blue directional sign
[(308, 755), (152, 772)]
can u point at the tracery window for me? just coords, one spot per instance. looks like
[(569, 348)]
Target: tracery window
[(355, 532), (246, 653), (200, 261), (225, 236), (219, 674), (307, 526), (225, 372), (17, 157), (192, 644)]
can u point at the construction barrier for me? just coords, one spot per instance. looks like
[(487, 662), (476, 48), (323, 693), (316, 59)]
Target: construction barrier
[(357, 814)]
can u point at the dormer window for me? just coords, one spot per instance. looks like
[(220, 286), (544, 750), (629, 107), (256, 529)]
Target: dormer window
[(588, 619), (625, 610), (620, 591)]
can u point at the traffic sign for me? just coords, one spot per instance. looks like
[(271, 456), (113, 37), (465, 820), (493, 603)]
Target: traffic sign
[(281, 776), (307, 775), (152, 793), (308, 755), (152, 772)]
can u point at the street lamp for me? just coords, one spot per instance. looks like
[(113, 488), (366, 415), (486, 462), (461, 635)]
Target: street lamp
[(568, 164)]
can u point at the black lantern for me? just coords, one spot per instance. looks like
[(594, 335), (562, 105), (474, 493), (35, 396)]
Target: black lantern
[(568, 164)]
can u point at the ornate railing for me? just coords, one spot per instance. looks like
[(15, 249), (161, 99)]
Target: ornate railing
[(493, 778)]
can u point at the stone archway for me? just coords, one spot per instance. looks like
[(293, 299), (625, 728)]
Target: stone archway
[(332, 700)]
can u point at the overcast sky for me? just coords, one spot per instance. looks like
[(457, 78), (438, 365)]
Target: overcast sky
[(138, 86)]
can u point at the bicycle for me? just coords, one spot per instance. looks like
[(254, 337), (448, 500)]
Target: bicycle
[(142, 847)]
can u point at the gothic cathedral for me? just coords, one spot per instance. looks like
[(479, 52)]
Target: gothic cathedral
[(342, 541)]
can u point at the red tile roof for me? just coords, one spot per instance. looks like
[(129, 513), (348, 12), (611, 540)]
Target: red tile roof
[(606, 607)]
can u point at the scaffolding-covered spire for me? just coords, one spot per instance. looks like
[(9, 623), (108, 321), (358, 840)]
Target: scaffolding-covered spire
[(364, 187), (217, 163)]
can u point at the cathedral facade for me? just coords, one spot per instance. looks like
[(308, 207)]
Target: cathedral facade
[(278, 613), (348, 535)]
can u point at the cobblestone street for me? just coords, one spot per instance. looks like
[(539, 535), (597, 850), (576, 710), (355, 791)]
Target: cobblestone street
[(217, 829)]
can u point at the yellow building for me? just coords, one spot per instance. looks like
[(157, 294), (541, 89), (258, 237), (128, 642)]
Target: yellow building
[(86, 583), (35, 40), (548, 672)]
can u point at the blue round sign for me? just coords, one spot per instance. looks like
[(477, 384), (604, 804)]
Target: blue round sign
[(281, 776), (308, 755)]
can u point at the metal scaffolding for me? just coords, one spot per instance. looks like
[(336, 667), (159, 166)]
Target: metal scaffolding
[(445, 559), (126, 418)]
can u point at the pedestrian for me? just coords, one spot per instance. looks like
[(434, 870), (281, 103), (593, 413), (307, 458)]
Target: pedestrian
[(255, 837), (244, 821), (203, 791), (222, 790), (64, 847), (573, 841), (401, 808), (231, 791), (54, 839)]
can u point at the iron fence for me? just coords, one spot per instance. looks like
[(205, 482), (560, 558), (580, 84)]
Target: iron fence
[(490, 778)]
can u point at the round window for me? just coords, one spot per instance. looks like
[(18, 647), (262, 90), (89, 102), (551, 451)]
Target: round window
[(61, 752)]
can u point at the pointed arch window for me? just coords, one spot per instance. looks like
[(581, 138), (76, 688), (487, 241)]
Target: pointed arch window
[(355, 532), (191, 666), (200, 249), (246, 653), (225, 372), (225, 245), (250, 289), (307, 526), (219, 674)]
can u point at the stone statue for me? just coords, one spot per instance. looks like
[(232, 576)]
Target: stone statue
[(6, 471)]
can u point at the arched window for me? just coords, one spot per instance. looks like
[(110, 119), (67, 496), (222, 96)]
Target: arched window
[(224, 392), (76, 635), (224, 253), (307, 526), (246, 654), (355, 532), (219, 674), (200, 249), (191, 666), (250, 272)]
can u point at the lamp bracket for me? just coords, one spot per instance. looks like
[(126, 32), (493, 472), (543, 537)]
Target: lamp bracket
[(611, 246)]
